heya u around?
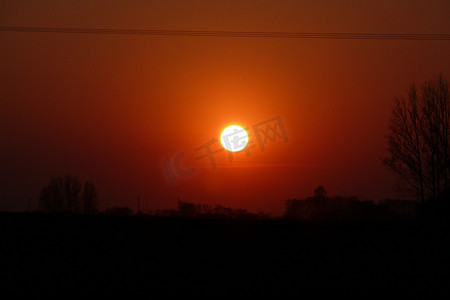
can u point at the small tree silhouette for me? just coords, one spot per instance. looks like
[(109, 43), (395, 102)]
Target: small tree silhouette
[(320, 192), (68, 195)]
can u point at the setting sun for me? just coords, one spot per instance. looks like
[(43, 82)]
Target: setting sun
[(234, 138)]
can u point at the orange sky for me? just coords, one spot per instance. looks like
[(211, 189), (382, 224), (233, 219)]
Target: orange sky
[(110, 109)]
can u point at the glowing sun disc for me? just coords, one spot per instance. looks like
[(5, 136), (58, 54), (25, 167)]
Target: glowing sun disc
[(234, 138)]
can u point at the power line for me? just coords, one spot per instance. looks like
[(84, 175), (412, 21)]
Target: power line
[(237, 34)]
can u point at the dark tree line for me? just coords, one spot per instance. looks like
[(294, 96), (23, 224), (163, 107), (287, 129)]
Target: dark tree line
[(187, 209), (320, 207), (69, 195), (418, 140)]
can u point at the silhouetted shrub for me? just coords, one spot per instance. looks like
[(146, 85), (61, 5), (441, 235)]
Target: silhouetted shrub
[(186, 209), (119, 211)]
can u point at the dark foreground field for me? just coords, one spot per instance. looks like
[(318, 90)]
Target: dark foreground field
[(104, 254)]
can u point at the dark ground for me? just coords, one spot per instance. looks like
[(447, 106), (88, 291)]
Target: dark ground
[(83, 254)]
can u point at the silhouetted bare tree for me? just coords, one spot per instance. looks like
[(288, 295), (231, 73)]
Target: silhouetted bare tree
[(418, 139), (68, 195), (90, 198)]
